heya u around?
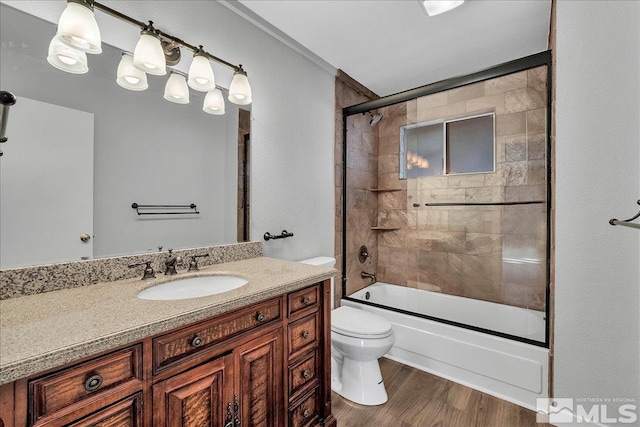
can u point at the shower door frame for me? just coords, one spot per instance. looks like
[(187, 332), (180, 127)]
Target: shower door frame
[(532, 61)]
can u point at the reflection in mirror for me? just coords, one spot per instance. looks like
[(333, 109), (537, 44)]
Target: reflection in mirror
[(132, 147)]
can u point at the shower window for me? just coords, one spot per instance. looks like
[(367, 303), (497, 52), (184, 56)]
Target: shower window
[(448, 147)]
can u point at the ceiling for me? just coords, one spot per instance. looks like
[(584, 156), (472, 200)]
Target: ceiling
[(391, 45)]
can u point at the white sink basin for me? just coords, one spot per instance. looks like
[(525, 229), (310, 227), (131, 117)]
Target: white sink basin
[(193, 287)]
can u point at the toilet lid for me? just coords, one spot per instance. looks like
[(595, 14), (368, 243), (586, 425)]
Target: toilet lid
[(359, 323)]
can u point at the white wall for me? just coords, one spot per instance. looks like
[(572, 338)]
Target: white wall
[(292, 173), (597, 161)]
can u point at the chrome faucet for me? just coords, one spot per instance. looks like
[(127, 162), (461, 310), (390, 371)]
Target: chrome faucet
[(148, 270), (371, 276)]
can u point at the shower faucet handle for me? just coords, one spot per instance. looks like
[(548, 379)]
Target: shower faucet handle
[(363, 254)]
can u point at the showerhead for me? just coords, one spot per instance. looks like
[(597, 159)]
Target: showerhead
[(375, 119)]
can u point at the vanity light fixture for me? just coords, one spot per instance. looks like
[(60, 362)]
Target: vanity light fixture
[(436, 7), (78, 33), (66, 58), (214, 102), (148, 55), (77, 27), (129, 77), (200, 73), (176, 89), (239, 89)]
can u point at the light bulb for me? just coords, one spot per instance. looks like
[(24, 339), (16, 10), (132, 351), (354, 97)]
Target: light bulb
[(200, 73), (148, 56), (128, 76), (66, 58), (214, 102), (176, 89), (77, 28), (240, 90)]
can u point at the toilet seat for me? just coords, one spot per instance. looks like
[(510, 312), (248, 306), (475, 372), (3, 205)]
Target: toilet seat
[(355, 323)]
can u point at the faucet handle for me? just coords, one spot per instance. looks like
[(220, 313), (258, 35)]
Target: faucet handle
[(193, 265), (148, 270)]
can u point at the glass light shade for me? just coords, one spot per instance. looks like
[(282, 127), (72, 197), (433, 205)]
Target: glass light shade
[(66, 58), (77, 28), (148, 55), (129, 77), (436, 7), (201, 75), (176, 89), (214, 102), (240, 90)]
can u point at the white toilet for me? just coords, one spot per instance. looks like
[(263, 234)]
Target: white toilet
[(358, 340)]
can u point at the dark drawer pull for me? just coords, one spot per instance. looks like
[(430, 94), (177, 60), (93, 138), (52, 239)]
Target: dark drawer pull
[(306, 300), (197, 342), (260, 317), (306, 374), (306, 413), (305, 334), (93, 383)]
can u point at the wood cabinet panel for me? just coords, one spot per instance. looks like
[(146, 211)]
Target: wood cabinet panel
[(260, 381), (303, 334), (89, 380), (303, 299), (169, 349), (302, 373), (197, 397), (127, 413), (307, 411)]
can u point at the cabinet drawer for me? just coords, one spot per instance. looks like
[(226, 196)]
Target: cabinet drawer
[(127, 413), (305, 298), (306, 412), (85, 381), (170, 348), (303, 373), (303, 333)]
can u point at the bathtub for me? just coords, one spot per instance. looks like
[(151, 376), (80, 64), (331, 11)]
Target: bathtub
[(511, 370)]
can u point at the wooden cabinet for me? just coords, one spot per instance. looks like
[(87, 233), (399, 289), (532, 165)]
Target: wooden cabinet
[(264, 365)]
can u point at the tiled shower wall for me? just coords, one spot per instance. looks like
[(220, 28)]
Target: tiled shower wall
[(492, 253), (361, 211)]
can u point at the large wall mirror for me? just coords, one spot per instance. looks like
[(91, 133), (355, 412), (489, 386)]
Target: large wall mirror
[(82, 149)]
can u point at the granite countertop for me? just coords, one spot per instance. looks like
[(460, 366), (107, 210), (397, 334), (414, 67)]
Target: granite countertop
[(40, 332)]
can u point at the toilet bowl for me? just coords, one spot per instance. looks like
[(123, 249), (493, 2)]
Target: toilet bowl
[(358, 340)]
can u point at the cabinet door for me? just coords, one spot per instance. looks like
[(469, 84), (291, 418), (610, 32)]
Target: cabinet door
[(127, 413), (199, 397), (259, 381)]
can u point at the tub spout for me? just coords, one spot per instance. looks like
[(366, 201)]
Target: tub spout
[(366, 275)]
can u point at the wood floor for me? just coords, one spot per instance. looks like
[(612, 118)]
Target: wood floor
[(419, 399)]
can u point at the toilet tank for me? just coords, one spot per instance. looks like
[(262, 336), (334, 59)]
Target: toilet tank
[(323, 261)]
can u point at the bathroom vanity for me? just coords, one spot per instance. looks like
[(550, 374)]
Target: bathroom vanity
[(97, 355)]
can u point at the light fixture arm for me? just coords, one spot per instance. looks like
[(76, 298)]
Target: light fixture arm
[(163, 36)]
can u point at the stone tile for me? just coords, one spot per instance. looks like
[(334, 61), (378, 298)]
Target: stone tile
[(389, 164), (466, 180), (521, 295), (467, 220), (448, 111), (485, 290), (432, 219), (511, 124), (432, 261), (402, 257), (506, 83), (360, 199), (432, 182), (536, 121), (494, 179), (392, 200), (484, 194), (456, 195), (430, 101), (412, 219), (391, 180), (361, 179), (536, 172), (412, 111), (515, 148), (524, 99), (477, 267), (389, 145), (370, 143), (392, 218), (525, 193), (514, 173), (465, 93), (536, 146), (491, 103), (537, 78), (393, 239), (483, 244), (524, 219)]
